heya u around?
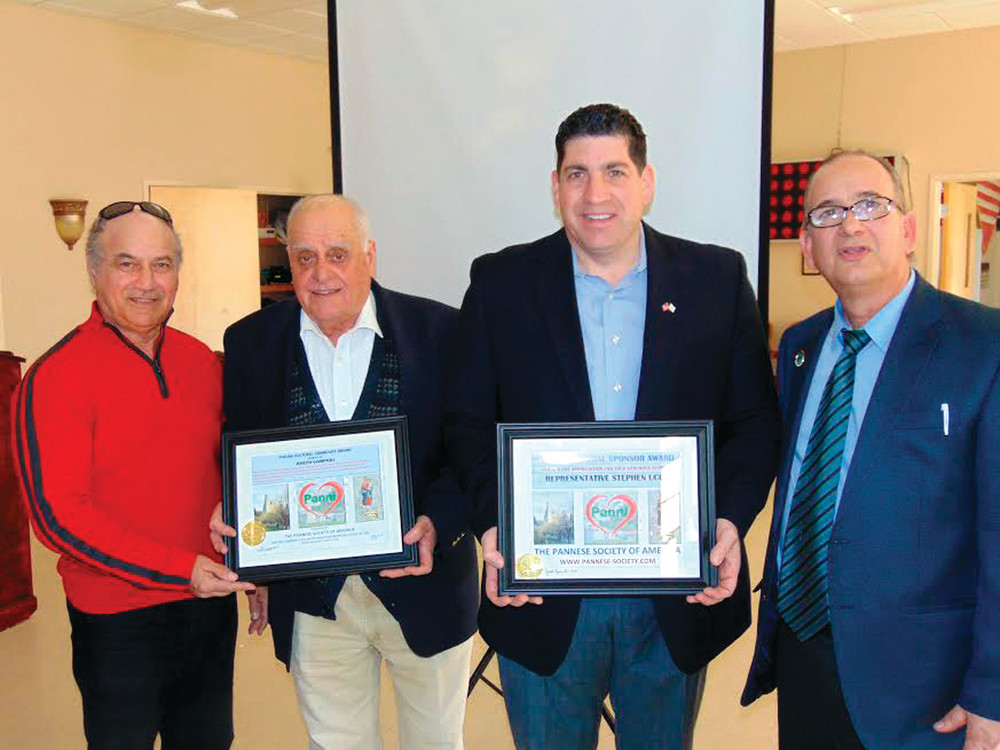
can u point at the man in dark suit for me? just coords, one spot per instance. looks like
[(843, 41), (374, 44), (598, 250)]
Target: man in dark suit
[(609, 319), (880, 603), (345, 348)]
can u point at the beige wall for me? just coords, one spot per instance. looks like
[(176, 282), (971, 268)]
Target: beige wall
[(931, 98), (97, 110)]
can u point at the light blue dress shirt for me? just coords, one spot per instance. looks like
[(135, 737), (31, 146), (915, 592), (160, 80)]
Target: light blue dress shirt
[(613, 320), (867, 367)]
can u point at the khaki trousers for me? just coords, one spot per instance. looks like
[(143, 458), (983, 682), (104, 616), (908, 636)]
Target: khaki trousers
[(335, 668)]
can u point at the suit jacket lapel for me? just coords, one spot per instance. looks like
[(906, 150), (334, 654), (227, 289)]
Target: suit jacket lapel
[(793, 387), (288, 336), (555, 291), (386, 312), (910, 350), (661, 337), (799, 380)]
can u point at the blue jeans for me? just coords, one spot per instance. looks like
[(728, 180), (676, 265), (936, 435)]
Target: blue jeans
[(617, 649)]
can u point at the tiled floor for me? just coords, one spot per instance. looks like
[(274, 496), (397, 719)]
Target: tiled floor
[(40, 708)]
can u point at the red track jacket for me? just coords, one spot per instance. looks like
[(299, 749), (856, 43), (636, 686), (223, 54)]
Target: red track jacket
[(118, 459)]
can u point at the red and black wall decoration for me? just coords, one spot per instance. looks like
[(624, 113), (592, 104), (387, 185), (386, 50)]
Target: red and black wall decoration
[(786, 197)]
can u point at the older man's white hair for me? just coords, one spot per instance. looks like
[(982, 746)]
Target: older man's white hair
[(331, 200)]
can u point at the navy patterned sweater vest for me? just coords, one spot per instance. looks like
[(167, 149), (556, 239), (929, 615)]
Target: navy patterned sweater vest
[(380, 397)]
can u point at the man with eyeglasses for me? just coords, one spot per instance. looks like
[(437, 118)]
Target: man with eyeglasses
[(116, 438), (880, 600)]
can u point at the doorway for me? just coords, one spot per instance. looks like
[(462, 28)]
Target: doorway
[(964, 239), (230, 245)]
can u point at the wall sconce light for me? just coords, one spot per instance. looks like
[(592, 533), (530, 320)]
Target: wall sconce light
[(70, 217)]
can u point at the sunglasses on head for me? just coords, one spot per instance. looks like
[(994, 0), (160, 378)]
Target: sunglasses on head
[(120, 208)]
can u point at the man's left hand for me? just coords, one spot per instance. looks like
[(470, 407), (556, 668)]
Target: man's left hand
[(209, 578), (424, 535), (980, 733), (725, 556)]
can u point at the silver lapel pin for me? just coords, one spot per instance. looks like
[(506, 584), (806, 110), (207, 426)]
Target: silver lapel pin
[(800, 358)]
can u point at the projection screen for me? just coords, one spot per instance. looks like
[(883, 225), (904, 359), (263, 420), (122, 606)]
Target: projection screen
[(444, 115)]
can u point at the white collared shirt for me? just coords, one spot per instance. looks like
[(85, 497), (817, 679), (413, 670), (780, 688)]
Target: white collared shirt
[(339, 371)]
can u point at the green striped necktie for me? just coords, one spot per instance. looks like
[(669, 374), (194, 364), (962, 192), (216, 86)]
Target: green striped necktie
[(802, 585)]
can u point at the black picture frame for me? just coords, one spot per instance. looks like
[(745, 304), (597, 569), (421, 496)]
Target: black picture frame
[(512, 583), (333, 563)]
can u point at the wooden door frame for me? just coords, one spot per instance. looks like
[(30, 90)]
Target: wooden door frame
[(937, 181)]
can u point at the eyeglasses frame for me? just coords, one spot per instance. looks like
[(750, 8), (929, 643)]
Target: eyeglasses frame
[(809, 215)]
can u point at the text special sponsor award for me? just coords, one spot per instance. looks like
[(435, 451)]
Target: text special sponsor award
[(318, 500), (608, 508)]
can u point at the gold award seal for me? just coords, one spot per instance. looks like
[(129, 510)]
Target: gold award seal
[(254, 533), (529, 566)]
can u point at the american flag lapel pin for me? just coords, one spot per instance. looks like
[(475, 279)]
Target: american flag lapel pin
[(668, 307)]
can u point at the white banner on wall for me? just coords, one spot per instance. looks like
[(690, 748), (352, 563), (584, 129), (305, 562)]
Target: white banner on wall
[(449, 109)]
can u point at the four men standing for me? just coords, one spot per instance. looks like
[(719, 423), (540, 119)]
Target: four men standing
[(881, 592)]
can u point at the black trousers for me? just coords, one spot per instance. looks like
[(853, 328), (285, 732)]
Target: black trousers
[(812, 714), (166, 669)]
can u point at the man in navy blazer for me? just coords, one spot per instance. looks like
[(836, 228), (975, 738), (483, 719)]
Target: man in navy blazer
[(346, 348), (906, 651), (610, 319)]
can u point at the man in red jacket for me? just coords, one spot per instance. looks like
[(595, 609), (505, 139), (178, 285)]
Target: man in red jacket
[(116, 435)]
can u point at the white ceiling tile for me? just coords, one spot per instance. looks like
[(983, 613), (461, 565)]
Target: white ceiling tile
[(111, 8), (884, 26), (970, 18), (173, 18), (857, 8), (862, 6), (295, 20), (809, 25), (297, 45), (250, 8), (69, 6), (298, 27), (239, 32)]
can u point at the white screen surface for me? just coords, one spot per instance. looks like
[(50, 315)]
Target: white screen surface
[(449, 111)]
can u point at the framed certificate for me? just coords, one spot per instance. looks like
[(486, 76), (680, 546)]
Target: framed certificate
[(318, 500), (611, 508)]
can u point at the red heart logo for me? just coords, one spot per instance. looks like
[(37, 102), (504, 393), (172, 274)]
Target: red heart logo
[(336, 494), (602, 507)]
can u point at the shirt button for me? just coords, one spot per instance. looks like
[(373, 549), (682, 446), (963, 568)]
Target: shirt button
[(343, 402), (618, 388), (611, 296), (615, 339)]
